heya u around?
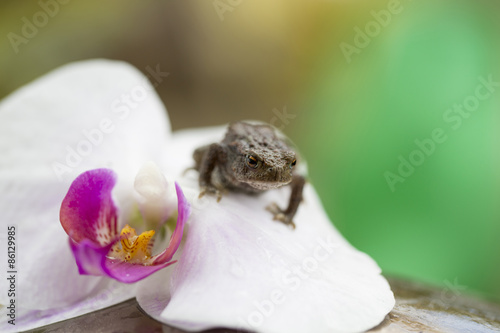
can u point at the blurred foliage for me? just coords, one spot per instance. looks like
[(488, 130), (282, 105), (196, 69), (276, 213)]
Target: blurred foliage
[(352, 118), (442, 223)]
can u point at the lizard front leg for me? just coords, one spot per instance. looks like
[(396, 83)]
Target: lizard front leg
[(207, 165), (286, 216)]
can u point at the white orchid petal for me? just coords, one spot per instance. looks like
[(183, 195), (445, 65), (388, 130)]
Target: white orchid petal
[(84, 115), (241, 269), (106, 293), (71, 120), (155, 291)]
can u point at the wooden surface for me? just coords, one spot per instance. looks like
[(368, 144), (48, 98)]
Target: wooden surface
[(418, 308)]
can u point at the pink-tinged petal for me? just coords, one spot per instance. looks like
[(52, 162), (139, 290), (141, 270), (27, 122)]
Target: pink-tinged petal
[(91, 260), (90, 257), (88, 211), (240, 269), (130, 273), (154, 293), (184, 210)]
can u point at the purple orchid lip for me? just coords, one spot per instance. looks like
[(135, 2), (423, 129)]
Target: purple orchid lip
[(89, 216), (88, 211)]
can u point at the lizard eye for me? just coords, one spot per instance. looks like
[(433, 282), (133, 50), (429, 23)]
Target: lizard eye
[(293, 163), (252, 161)]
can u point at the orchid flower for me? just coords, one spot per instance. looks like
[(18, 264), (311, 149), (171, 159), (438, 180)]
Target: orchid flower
[(235, 268), (89, 216)]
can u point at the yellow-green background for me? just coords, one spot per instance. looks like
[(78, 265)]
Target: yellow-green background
[(352, 120)]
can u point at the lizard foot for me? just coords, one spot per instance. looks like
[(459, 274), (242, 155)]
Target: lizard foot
[(279, 215), (210, 190)]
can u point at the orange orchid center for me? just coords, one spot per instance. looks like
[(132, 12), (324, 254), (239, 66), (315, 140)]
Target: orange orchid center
[(133, 248)]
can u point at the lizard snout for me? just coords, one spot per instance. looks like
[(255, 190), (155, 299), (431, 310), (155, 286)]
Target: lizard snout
[(280, 175)]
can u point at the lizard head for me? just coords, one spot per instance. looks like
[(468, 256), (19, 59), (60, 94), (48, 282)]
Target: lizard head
[(261, 159)]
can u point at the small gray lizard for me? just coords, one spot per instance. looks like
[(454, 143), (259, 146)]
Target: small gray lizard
[(250, 159)]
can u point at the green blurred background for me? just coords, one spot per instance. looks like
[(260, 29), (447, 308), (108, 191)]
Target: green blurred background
[(354, 114)]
